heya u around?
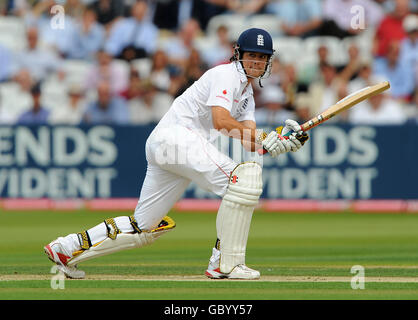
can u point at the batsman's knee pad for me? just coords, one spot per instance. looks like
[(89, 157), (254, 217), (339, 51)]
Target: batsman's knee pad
[(235, 213), (118, 241)]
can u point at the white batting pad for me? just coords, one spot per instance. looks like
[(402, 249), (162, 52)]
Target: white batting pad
[(123, 241), (235, 212)]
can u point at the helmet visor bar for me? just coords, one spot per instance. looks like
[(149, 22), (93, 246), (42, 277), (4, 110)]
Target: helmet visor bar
[(255, 68)]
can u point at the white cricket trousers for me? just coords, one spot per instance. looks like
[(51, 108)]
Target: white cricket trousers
[(176, 156)]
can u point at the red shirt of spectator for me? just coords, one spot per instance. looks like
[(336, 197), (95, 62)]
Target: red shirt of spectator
[(391, 29)]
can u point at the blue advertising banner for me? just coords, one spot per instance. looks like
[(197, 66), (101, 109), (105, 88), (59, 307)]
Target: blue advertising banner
[(338, 162), (71, 161)]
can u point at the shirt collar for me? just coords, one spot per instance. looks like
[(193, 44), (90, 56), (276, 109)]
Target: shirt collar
[(240, 71), (249, 89)]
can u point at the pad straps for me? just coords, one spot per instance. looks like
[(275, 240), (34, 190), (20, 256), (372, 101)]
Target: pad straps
[(84, 239), (134, 224), (112, 229)]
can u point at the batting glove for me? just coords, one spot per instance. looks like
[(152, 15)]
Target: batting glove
[(275, 144), (297, 135)]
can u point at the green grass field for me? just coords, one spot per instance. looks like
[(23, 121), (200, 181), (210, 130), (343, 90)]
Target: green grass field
[(300, 256)]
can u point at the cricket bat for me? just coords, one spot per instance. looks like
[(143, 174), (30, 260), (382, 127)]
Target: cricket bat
[(342, 105)]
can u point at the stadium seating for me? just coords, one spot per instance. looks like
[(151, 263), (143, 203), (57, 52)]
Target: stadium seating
[(288, 49), (337, 53), (12, 33), (13, 99), (54, 92), (268, 22), (76, 70), (143, 66), (234, 22)]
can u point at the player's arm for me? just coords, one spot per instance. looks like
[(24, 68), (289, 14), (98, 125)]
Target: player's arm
[(248, 145), (227, 125), (250, 137)]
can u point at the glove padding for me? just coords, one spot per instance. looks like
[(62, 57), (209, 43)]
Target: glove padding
[(276, 144), (296, 131), (302, 137), (291, 126)]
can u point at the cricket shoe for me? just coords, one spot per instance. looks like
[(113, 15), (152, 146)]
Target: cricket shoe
[(239, 272), (57, 254)]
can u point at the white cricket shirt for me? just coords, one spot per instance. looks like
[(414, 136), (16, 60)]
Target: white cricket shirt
[(225, 86)]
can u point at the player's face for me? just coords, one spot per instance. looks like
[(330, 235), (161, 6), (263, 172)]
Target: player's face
[(254, 63)]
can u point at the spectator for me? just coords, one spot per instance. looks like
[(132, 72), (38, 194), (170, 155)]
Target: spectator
[(108, 11), (72, 111), (74, 9), (398, 72), (134, 37), (6, 64), (310, 71), (160, 74), (290, 84), (221, 51), (24, 79), (108, 109), (171, 14), (302, 107), (89, 37), (299, 18), (364, 77), (37, 114), (338, 18), (58, 38), (39, 62), (16, 96), (150, 108), (246, 6), (391, 28), (178, 48), (204, 10), (3, 8), (195, 67), (16, 7), (351, 69), (193, 70), (378, 110), (409, 45), (272, 111), (136, 86), (325, 92), (109, 70), (411, 109), (5, 116)]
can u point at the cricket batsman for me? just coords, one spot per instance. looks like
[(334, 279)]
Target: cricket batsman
[(180, 150)]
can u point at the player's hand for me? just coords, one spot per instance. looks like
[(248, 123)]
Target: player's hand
[(291, 126), (275, 144), (295, 133)]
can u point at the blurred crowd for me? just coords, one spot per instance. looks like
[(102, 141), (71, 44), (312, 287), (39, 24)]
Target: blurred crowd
[(125, 61)]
